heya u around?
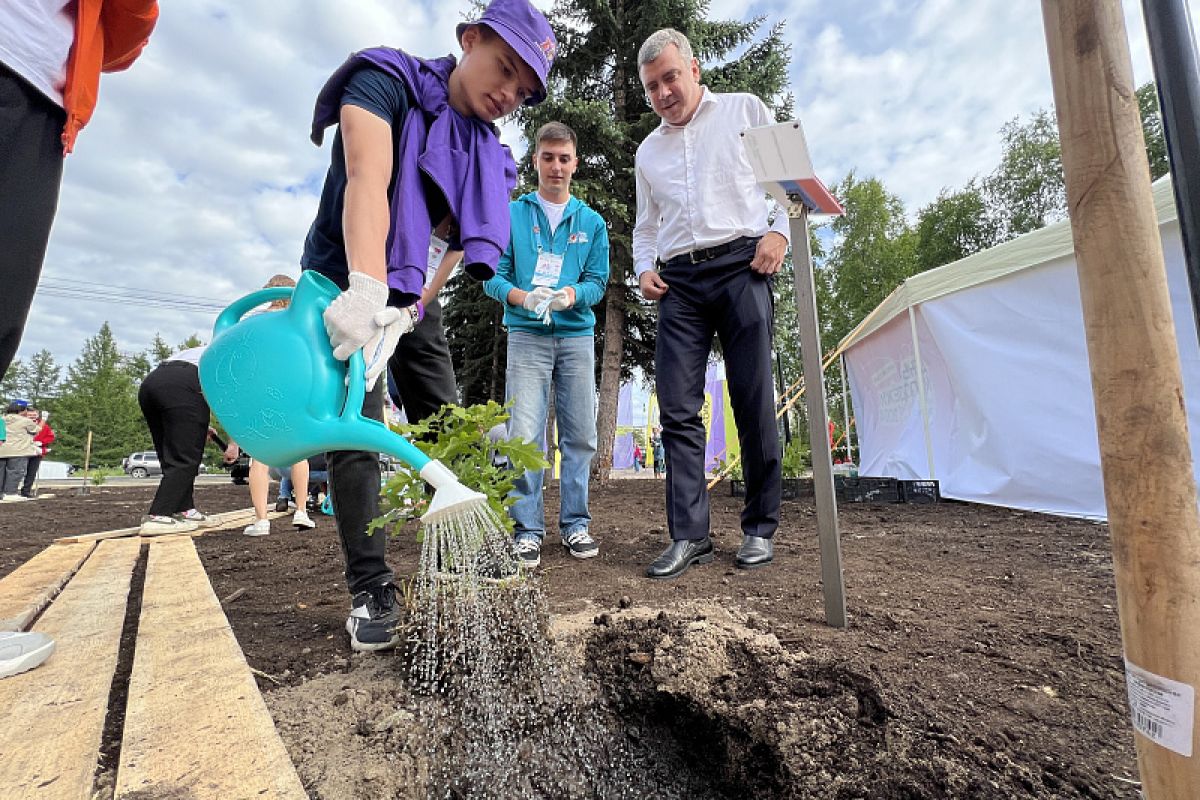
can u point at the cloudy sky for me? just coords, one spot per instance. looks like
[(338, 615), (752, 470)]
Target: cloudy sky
[(196, 180)]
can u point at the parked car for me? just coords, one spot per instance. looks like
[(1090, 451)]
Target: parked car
[(141, 465)]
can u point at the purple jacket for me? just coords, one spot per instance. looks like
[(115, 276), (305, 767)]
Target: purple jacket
[(462, 156)]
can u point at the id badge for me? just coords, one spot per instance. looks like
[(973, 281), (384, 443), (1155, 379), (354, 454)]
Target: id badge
[(437, 249), (548, 270)]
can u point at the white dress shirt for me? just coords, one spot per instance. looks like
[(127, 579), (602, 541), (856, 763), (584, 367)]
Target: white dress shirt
[(695, 185), (35, 41)]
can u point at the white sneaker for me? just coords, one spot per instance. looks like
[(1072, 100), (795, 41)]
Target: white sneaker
[(261, 527), (157, 526), (192, 515), (23, 651), (302, 520), (15, 498)]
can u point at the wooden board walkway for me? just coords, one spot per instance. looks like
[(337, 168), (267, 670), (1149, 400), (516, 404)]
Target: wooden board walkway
[(195, 725)]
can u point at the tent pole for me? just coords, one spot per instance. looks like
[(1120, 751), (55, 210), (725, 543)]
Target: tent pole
[(1145, 450), (846, 409), (920, 368)]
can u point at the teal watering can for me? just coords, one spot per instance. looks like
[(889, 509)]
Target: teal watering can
[(272, 381)]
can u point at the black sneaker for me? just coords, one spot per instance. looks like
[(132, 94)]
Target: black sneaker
[(580, 544), (529, 551), (281, 504), (374, 619)]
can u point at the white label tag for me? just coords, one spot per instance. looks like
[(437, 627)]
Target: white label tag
[(437, 249), (1163, 710), (548, 270)]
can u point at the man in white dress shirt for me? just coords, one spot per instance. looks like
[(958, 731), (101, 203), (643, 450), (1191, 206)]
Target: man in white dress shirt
[(703, 221)]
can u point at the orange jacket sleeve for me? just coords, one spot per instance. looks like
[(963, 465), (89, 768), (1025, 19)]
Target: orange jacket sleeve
[(127, 25)]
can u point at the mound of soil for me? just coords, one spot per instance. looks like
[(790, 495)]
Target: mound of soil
[(982, 659)]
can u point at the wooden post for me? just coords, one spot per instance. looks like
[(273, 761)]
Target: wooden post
[(87, 457), (1145, 451)]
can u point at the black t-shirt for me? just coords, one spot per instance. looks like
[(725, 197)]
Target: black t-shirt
[(387, 98)]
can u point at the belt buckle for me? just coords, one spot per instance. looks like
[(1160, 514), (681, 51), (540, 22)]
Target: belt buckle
[(692, 257)]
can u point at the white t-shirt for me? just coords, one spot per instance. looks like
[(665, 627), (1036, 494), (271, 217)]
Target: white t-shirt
[(554, 211), (191, 355), (35, 40)]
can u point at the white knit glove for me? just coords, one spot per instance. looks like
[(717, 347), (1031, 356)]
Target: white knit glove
[(561, 300), (536, 297), (350, 318), (391, 324), (359, 318)]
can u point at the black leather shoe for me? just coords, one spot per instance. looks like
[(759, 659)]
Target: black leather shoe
[(675, 560), (755, 552)]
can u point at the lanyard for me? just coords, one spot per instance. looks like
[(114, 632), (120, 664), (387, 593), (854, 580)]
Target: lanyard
[(537, 229)]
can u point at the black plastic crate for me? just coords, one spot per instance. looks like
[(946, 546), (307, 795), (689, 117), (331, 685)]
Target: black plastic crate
[(867, 490), (920, 492)]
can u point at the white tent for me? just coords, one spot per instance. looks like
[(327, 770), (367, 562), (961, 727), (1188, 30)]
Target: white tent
[(976, 373)]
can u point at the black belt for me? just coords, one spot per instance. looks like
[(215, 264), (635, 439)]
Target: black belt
[(709, 253), (175, 363)]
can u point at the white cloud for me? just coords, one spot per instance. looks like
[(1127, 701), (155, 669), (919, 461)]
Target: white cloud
[(196, 176)]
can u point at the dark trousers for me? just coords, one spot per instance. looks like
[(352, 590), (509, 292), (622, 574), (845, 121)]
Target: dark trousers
[(31, 471), (31, 163), (424, 376), (177, 416), (722, 296), (12, 472), (421, 368)]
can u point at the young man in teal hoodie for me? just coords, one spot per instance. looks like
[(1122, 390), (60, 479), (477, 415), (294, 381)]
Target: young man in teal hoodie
[(554, 270)]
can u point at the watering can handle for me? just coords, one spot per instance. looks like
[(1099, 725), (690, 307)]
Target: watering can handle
[(236, 310)]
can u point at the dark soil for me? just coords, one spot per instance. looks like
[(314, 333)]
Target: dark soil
[(982, 659)]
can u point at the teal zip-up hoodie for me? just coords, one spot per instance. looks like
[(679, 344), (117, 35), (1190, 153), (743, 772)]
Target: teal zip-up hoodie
[(581, 238)]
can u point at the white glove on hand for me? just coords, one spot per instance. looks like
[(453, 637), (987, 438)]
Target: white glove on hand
[(561, 300), (390, 324), (350, 318), (536, 297)]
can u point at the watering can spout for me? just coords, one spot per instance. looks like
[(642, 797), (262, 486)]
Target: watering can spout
[(450, 498)]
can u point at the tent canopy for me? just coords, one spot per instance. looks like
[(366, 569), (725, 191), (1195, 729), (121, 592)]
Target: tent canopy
[(977, 374), (1024, 252)]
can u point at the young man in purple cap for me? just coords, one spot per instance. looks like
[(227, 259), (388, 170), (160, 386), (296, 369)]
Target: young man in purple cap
[(415, 145)]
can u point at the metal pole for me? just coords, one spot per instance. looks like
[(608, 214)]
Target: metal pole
[(787, 426), (1177, 77), (920, 369), (846, 408), (814, 398)]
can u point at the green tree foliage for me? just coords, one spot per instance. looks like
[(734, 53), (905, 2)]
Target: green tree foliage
[(954, 226), (1027, 189), (1152, 130), (40, 378), (159, 350), (596, 89), (458, 437), (99, 395), (874, 250), (192, 341), (477, 340), (10, 386)]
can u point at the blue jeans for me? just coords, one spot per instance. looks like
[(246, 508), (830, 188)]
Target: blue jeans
[(534, 363)]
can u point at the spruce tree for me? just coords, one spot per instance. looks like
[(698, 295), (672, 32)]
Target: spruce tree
[(597, 90), (41, 378), (99, 395)]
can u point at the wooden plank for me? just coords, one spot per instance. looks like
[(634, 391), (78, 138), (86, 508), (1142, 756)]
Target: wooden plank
[(222, 521), (54, 714), (28, 589), (195, 724)]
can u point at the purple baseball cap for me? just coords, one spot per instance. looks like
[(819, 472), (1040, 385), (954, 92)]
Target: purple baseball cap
[(526, 31)]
